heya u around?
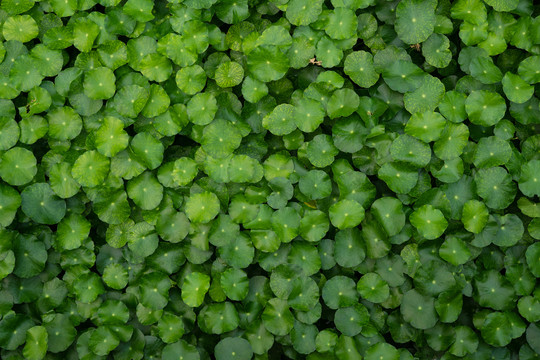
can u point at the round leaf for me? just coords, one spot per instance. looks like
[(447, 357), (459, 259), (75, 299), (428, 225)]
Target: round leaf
[(429, 222), (233, 348), (18, 166), (42, 205), (415, 20), (418, 310), (346, 214), (99, 83), (202, 207)]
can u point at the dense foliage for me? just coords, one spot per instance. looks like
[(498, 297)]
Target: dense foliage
[(269, 179)]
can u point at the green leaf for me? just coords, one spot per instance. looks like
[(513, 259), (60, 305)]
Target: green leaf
[(533, 255), (529, 182), (145, 191), (229, 74), (281, 120), (148, 149), (233, 348), (140, 10), (315, 184), (277, 317), (202, 207), (87, 287), (389, 213), (154, 290), (455, 251), (349, 249), (426, 97), (527, 70), (314, 225), (111, 138), (115, 276), (400, 178), (170, 327), (328, 53), (253, 90), (384, 350), (418, 310), (342, 103), (267, 63), (184, 171), (321, 151), (42, 205), (32, 129), (72, 231), (18, 166), (473, 11), (102, 341), (349, 134), (359, 67), (85, 32), (426, 126), (232, 11), (308, 114), (452, 142), (191, 79), (235, 284), (495, 186), (474, 216), (180, 348), (415, 20), (194, 288), (483, 69), (9, 133), (407, 149), (516, 89), (452, 106), (36, 343), (202, 108), (13, 328), (62, 182), (436, 50), (21, 28), (220, 138), (99, 83), (90, 169), (350, 320), (485, 108), (130, 100), (503, 5), (339, 292), (492, 151), (10, 201), (303, 12), (496, 329), (346, 214), (30, 256), (342, 23), (429, 221), (15, 7), (158, 102), (466, 341), (64, 123), (402, 75), (494, 291), (373, 288)]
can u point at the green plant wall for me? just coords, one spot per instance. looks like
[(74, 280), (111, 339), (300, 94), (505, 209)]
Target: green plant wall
[(269, 179)]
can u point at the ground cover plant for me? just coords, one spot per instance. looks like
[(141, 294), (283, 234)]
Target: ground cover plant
[(269, 179)]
